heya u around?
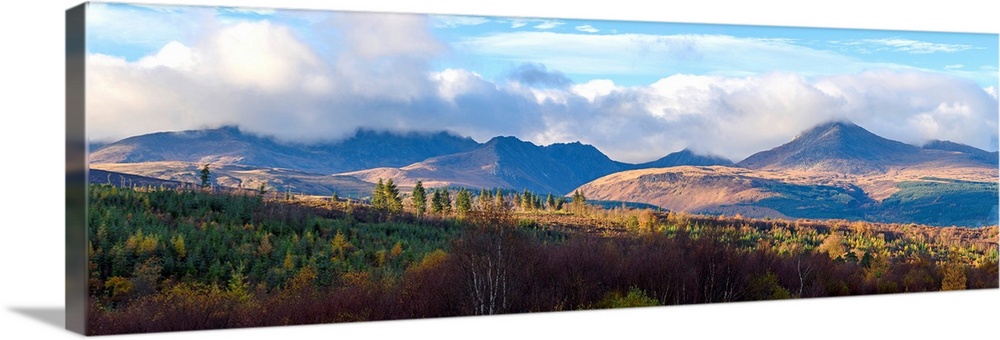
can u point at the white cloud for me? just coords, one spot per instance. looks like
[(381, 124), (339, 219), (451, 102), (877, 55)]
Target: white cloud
[(260, 55), (644, 54), (375, 72), (263, 77), (249, 10), (174, 55), (142, 27), (913, 46), (454, 82), (594, 88), (737, 116), (954, 66), (452, 21), (549, 24), (587, 28), (518, 23)]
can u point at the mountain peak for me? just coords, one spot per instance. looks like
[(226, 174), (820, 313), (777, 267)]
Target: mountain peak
[(686, 157), (504, 139), (834, 129), (837, 146)]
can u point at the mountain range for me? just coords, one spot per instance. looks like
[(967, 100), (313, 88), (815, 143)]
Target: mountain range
[(437, 159), (834, 170), (229, 145)]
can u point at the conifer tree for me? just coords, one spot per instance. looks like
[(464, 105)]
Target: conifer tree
[(463, 201), (498, 199), (436, 205), (393, 202), (206, 176), (378, 196), (446, 200), (579, 200), (550, 202), (484, 198), (419, 198)]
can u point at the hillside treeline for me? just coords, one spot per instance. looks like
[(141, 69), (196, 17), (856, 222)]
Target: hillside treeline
[(168, 260)]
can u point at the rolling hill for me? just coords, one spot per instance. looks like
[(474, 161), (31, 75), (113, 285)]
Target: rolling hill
[(503, 162), (236, 176), (684, 157), (510, 163), (835, 170), (840, 147), (230, 146)]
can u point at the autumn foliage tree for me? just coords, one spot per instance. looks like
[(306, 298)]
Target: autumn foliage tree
[(489, 254)]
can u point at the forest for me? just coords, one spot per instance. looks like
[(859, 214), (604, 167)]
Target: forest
[(172, 259)]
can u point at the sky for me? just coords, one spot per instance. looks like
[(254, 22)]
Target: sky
[(635, 90)]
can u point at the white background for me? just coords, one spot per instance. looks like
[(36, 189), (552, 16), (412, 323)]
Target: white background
[(32, 236)]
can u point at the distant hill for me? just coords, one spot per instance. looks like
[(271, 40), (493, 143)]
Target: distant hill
[(728, 190), (684, 157), (508, 162), (835, 170), (97, 176), (438, 159), (230, 146), (841, 147), (586, 162), (985, 157), (232, 176), (504, 162)]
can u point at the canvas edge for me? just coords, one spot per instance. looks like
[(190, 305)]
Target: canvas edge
[(76, 171)]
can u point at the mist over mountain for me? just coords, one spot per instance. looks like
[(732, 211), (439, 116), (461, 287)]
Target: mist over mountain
[(228, 145), (685, 157), (835, 147), (834, 170), (437, 158), (986, 157), (508, 162)]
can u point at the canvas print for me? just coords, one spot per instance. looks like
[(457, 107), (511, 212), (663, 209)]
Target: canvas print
[(261, 167)]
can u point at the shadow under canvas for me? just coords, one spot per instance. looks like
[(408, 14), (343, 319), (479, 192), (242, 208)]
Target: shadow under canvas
[(53, 316)]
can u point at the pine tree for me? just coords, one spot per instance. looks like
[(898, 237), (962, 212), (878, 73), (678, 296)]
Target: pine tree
[(463, 201), (498, 199), (206, 176), (419, 198), (393, 202), (378, 196), (446, 200), (484, 198), (436, 205), (550, 202), (579, 201)]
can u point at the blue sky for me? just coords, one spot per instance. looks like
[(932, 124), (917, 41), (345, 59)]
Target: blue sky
[(636, 90)]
